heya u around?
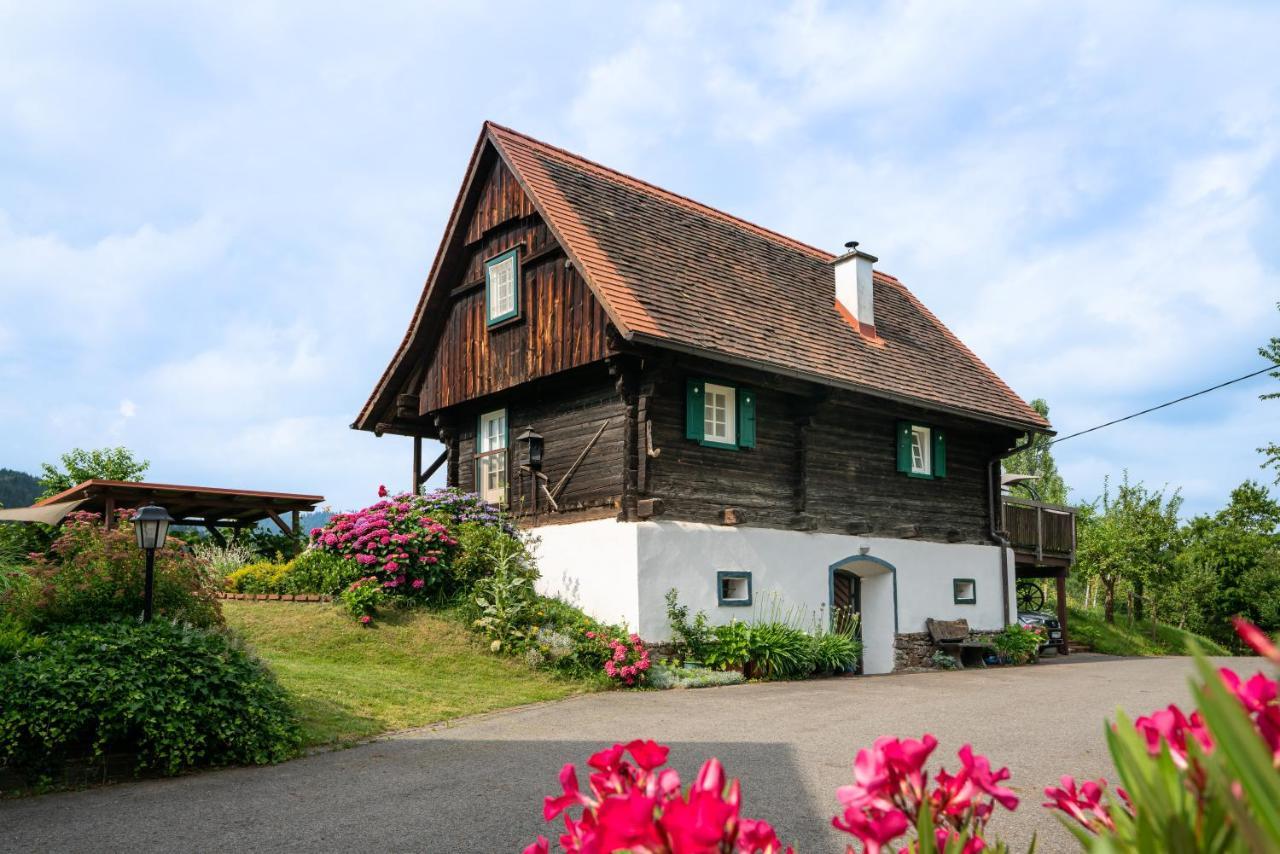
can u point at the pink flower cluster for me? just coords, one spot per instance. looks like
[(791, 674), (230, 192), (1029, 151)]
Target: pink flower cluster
[(1183, 735), (394, 540), (639, 806), (627, 661), (891, 788)]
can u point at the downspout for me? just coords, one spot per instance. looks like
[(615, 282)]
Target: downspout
[(993, 488)]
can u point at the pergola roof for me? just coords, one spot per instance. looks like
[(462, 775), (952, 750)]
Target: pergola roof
[(188, 505)]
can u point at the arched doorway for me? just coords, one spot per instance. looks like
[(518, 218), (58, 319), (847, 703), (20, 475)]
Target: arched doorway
[(868, 586)]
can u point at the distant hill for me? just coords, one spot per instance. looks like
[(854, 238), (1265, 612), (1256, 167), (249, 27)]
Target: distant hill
[(17, 488)]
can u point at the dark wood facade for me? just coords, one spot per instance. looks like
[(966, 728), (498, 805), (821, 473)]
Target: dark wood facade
[(823, 460)]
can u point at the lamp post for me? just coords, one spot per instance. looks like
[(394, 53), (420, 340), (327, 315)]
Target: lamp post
[(151, 525)]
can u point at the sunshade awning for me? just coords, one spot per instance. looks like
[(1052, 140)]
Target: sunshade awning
[(49, 514)]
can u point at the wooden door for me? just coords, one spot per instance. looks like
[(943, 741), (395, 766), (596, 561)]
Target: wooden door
[(846, 604)]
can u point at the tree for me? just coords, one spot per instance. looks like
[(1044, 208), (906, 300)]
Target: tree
[(1129, 538), (1271, 452), (17, 488), (1238, 548), (80, 465), (1038, 460)]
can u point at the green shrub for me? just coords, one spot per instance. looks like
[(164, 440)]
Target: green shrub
[(474, 559), (222, 560), (363, 597), (505, 599), (779, 651), (173, 696), (835, 652), (15, 640), (317, 571), (93, 575), (260, 577), (732, 647), (692, 677), (691, 640), (1017, 645)]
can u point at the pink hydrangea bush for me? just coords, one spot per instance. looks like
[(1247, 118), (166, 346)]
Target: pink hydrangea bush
[(395, 541), (626, 661), (640, 806)]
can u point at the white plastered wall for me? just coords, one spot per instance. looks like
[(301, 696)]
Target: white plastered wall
[(620, 572), (592, 565)]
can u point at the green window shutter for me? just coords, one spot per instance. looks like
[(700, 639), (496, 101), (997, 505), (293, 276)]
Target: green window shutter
[(693, 412), (746, 418), (904, 447), (939, 453)]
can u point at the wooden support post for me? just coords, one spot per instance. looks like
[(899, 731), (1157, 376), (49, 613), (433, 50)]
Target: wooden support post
[(1062, 610), (417, 464), (109, 513), (297, 523), (434, 467)]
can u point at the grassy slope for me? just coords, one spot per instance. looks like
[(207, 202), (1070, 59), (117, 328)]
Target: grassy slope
[(411, 668), (1137, 638)]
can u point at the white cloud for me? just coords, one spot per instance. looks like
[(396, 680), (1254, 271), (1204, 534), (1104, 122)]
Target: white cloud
[(128, 408)]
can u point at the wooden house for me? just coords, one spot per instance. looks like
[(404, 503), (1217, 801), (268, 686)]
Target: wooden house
[(670, 396)]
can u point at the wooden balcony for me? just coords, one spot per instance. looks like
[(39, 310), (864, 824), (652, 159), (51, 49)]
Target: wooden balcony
[(1042, 535)]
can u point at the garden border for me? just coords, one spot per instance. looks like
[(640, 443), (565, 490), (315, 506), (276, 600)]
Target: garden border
[(277, 597)]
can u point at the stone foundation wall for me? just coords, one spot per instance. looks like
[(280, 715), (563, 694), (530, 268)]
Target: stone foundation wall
[(914, 650)]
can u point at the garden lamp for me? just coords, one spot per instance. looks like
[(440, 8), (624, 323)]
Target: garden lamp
[(151, 525)]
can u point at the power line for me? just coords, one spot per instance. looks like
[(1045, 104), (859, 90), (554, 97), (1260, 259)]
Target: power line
[(1170, 403)]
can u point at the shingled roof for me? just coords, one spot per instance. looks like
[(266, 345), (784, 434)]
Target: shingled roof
[(674, 273)]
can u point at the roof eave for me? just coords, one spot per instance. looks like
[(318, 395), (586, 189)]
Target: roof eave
[(820, 379)]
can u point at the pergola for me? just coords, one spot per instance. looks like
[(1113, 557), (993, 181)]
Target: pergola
[(203, 506)]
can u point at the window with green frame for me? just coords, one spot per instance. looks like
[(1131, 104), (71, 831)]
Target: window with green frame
[(720, 415), (922, 450), (502, 287)]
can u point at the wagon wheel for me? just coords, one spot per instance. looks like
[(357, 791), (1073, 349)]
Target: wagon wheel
[(1030, 596)]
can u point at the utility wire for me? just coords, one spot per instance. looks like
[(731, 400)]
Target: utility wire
[(1170, 403)]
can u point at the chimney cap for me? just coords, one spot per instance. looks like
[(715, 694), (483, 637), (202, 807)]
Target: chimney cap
[(855, 252)]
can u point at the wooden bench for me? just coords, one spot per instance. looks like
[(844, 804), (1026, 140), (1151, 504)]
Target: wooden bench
[(952, 637)]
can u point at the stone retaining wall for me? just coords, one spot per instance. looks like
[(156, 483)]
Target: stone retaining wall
[(914, 650)]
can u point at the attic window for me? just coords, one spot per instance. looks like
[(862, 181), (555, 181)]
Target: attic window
[(922, 450), (502, 287), (720, 415)]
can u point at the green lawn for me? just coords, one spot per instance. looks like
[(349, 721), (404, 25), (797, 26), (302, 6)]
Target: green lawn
[(1126, 637), (409, 669)]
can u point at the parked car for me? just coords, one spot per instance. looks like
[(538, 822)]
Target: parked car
[(1048, 622)]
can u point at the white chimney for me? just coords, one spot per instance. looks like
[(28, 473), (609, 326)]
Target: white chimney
[(854, 290)]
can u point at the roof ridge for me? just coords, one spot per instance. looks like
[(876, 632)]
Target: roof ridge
[(684, 201)]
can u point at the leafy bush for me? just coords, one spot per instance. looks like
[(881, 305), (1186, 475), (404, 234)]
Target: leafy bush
[(260, 577), (732, 647), (626, 659), (94, 575), (474, 559), (172, 695), (835, 651), (397, 541), (319, 571), (363, 598), (222, 560), (691, 640), (15, 640), (505, 599), (944, 661), (692, 677), (1017, 644), (455, 507)]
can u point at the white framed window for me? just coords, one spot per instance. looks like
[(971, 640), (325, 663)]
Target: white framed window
[(502, 287), (719, 414), (491, 456), (920, 450)]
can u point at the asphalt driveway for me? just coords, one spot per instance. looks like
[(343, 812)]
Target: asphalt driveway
[(477, 786)]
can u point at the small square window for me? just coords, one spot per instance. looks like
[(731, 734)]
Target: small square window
[(502, 287), (733, 588), (920, 462), (964, 591)]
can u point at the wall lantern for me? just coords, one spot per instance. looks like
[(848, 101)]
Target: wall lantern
[(151, 525), (532, 453)]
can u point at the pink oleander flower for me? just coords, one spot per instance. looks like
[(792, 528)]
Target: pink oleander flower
[(1083, 804), (1257, 639), (1170, 726)]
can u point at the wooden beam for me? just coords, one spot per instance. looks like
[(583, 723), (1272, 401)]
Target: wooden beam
[(215, 533), (109, 512), (560, 484), (280, 523), (434, 467), (297, 523), (1062, 610)]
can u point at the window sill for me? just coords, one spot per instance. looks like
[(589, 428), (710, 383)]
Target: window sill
[(723, 445), (504, 321)]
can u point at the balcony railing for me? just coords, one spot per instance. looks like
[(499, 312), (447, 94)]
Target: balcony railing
[(1038, 531)]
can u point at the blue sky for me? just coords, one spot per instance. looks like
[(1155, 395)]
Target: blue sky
[(214, 219)]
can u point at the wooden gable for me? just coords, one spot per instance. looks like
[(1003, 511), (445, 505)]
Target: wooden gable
[(561, 324)]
